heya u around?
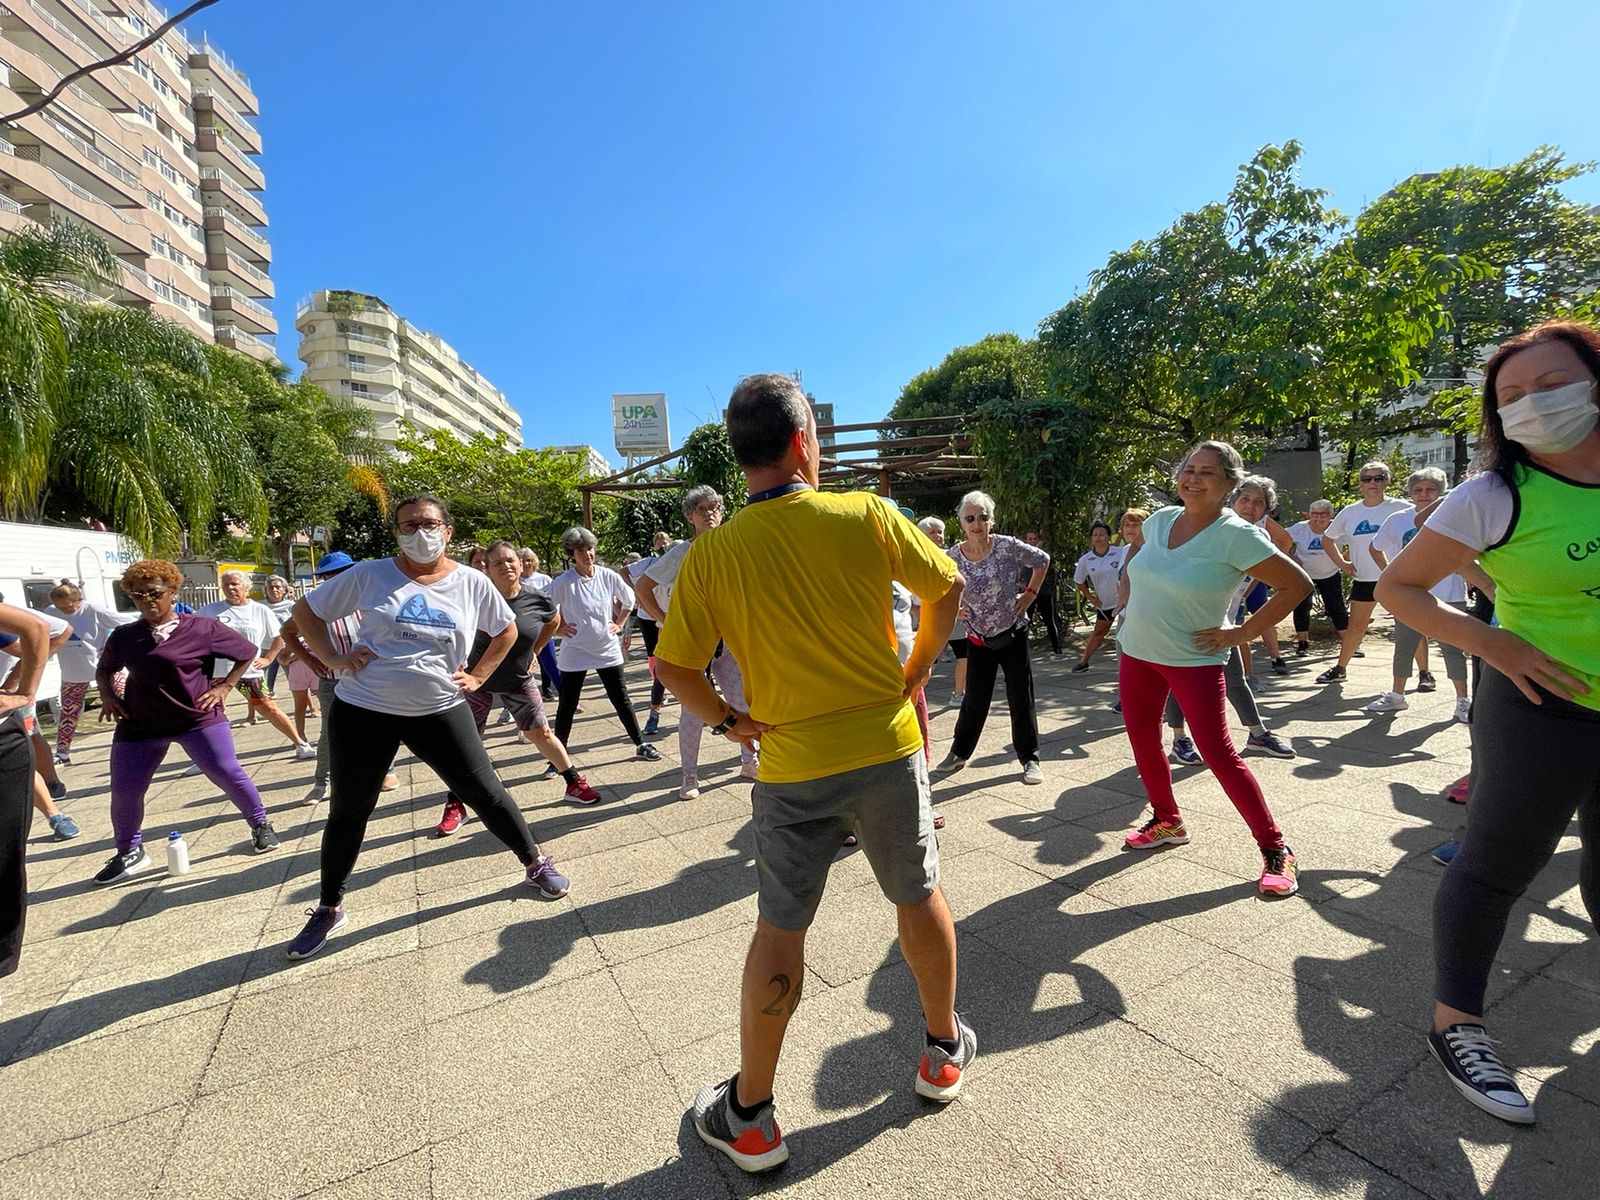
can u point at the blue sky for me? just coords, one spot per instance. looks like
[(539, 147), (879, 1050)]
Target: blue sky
[(595, 198)]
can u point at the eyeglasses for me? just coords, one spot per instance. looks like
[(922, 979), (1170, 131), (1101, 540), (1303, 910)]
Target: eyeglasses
[(973, 519), (414, 526), (709, 509), (149, 594), (1374, 479)]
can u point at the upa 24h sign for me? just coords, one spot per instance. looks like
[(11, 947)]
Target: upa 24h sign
[(640, 420)]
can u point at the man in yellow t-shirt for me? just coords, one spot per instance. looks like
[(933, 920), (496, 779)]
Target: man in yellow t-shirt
[(798, 586)]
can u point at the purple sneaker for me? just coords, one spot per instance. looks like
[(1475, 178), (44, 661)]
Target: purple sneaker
[(542, 874), (323, 922)]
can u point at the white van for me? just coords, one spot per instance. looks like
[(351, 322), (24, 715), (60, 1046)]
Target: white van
[(35, 558)]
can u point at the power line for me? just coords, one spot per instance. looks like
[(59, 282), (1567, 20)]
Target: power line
[(115, 60)]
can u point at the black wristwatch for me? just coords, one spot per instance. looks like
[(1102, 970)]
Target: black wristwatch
[(727, 722)]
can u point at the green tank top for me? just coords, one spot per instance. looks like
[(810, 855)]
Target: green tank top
[(1546, 572)]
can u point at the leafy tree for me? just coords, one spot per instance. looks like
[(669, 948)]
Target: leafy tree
[(708, 459), (1533, 252), (999, 366), (493, 490)]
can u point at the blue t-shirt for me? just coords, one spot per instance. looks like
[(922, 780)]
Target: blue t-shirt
[(1172, 594)]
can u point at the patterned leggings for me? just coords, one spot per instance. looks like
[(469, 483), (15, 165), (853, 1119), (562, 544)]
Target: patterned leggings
[(72, 696)]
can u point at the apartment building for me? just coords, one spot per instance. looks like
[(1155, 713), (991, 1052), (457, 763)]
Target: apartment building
[(157, 156), (354, 345), (592, 464)]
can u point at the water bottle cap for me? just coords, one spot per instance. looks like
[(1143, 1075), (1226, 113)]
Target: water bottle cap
[(174, 836)]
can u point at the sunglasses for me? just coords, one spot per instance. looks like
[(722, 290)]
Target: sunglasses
[(1374, 479), (149, 594), (972, 520)]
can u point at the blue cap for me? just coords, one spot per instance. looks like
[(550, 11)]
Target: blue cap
[(174, 836), (907, 513), (337, 561)]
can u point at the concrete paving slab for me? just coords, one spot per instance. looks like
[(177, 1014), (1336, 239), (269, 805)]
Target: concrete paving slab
[(123, 1160), (405, 1178), (1328, 1169)]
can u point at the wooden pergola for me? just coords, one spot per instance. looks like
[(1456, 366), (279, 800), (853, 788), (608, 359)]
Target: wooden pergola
[(902, 452)]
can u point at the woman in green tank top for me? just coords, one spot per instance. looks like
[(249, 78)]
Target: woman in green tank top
[(1532, 523)]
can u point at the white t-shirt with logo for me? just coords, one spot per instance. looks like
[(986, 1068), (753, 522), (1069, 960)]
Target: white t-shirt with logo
[(1102, 573), (1396, 535), (588, 604), (1358, 524), (253, 619), (420, 632), (1309, 550)]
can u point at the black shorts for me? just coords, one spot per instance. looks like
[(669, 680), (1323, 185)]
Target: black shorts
[(1364, 591), (958, 647), (1105, 614)]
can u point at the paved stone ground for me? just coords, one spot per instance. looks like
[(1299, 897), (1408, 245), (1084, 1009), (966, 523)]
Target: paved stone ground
[(1148, 1025)]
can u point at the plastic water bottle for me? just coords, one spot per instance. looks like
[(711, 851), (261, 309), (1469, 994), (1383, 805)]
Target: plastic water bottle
[(177, 854)]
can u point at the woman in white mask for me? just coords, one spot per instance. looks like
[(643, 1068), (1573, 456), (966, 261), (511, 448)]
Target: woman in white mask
[(1531, 521), (405, 682)]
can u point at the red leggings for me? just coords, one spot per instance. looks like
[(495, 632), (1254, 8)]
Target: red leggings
[(1201, 693)]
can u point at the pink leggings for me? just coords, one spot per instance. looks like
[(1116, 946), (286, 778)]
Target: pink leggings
[(72, 697), (1201, 693)]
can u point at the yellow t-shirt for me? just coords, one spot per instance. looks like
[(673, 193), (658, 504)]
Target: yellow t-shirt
[(798, 587)]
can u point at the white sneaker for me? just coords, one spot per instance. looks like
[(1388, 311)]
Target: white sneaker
[(690, 789), (192, 769), (304, 751), (1463, 710), (1031, 773), (1387, 703), (318, 792)]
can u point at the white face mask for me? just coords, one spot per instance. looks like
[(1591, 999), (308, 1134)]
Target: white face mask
[(1552, 421), (424, 545)]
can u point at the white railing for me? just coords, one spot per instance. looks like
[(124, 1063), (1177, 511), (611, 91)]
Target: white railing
[(240, 266), (101, 160), (7, 204), (219, 291), (85, 194), (63, 30), (363, 337), (368, 368), (217, 175), (244, 231), (238, 117), (138, 274), (211, 51), (6, 147), (240, 336)]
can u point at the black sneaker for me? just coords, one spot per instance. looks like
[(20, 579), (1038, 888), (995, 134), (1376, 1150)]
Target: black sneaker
[(1468, 1056), (57, 789), (123, 866), (1332, 675), (262, 839), (753, 1145), (1426, 682), (1279, 667), (647, 752), (1301, 649)]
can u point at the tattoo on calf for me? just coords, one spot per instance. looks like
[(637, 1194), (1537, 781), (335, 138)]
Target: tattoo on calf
[(787, 998)]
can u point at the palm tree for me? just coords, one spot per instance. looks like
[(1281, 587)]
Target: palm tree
[(40, 268), (114, 403)]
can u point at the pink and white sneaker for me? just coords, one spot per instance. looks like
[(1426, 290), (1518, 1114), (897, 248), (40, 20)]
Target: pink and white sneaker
[(1280, 873), (1156, 832)]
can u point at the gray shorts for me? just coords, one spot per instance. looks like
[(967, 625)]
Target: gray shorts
[(799, 828)]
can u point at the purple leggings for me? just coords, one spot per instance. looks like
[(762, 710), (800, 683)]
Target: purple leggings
[(134, 763)]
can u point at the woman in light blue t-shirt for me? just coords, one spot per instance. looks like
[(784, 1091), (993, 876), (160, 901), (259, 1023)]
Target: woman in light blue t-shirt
[(1173, 639)]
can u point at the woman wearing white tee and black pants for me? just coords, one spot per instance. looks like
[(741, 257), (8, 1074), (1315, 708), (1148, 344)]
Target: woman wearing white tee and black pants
[(404, 683), (594, 603)]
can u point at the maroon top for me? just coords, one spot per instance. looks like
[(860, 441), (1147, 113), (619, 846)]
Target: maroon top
[(166, 679)]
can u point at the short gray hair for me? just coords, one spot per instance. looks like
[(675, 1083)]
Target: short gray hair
[(1432, 474), (981, 499), (1260, 483), (931, 525), (232, 573), (1376, 464), (575, 537), (526, 552), (280, 579), (698, 495), (1320, 506)]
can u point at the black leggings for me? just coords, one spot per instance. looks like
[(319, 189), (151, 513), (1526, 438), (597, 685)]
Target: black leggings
[(16, 817), (364, 744), (1532, 766), (982, 665), (1331, 588), (616, 692), (1045, 605), (651, 632)]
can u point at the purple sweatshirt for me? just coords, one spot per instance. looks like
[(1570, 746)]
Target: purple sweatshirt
[(166, 679)]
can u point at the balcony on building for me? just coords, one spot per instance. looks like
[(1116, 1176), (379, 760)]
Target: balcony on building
[(212, 109), (219, 190), (214, 150), (240, 273), (236, 235), (231, 305), (210, 67)]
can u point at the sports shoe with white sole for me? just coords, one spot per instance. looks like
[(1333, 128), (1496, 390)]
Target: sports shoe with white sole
[(1463, 711), (1031, 772), (1468, 1056), (1387, 703), (950, 764), (753, 1145), (939, 1072)]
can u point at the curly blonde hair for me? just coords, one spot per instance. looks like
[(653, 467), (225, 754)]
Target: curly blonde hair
[(157, 569)]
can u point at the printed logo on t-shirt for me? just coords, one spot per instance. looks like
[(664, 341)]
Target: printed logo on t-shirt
[(1405, 538), (1365, 527), (1314, 544), (415, 611)]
